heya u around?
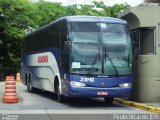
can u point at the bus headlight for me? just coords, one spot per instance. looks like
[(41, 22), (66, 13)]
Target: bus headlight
[(125, 85), (77, 84)]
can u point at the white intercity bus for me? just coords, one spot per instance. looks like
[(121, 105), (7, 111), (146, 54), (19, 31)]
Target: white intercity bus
[(79, 56)]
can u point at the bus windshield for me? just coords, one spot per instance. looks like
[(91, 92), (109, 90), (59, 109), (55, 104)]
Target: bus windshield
[(100, 48)]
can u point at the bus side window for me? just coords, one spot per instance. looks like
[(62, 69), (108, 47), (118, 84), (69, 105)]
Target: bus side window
[(54, 35), (64, 57)]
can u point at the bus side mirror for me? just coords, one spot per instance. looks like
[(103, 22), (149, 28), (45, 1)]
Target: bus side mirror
[(134, 44), (67, 43), (67, 46)]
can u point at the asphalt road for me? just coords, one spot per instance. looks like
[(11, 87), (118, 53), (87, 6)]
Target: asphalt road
[(44, 106)]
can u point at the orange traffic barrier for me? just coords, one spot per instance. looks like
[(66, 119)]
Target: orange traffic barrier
[(10, 95), (18, 78)]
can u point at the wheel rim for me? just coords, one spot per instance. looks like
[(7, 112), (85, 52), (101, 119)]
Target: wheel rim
[(59, 95), (28, 85)]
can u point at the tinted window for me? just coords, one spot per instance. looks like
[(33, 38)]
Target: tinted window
[(85, 27), (147, 41), (143, 41), (43, 39), (64, 32)]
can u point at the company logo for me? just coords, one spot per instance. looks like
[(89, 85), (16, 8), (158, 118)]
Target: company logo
[(103, 84), (42, 59)]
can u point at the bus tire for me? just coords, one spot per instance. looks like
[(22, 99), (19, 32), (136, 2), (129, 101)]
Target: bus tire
[(108, 101), (60, 97), (29, 86)]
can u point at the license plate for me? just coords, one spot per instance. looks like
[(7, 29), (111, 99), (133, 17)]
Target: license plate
[(102, 93)]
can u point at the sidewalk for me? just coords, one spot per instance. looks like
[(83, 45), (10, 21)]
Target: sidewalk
[(151, 107)]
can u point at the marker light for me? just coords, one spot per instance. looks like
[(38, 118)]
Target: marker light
[(77, 84), (125, 85)]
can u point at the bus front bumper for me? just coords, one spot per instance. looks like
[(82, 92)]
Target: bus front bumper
[(119, 92)]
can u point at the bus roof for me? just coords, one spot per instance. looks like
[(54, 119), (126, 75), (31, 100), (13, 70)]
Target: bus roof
[(82, 18), (93, 19)]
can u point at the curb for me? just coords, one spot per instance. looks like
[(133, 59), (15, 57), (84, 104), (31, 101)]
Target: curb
[(138, 105)]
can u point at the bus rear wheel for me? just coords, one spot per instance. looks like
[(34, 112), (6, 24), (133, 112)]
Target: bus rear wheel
[(29, 87), (108, 101)]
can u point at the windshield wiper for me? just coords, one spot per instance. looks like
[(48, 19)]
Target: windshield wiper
[(93, 63), (106, 55)]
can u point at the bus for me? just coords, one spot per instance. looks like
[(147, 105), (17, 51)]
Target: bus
[(79, 56)]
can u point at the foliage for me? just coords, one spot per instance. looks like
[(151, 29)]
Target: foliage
[(99, 4), (115, 9), (16, 17), (48, 12), (20, 16), (71, 10)]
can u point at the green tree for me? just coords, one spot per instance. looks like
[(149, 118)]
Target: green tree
[(17, 16), (116, 9), (71, 10), (103, 10), (99, 4), (48, 12)]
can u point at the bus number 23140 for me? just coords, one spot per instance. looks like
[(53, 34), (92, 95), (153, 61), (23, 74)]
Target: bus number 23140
[(86, 79)]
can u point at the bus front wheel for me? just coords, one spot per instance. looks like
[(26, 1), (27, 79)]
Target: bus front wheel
[(59, 96), (108, 101)]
